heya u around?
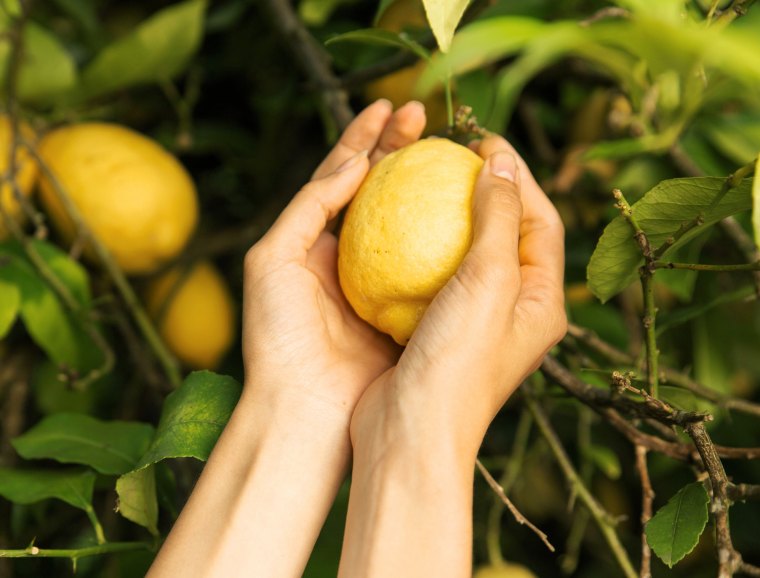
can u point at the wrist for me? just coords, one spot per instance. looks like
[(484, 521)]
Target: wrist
[(391, 420)]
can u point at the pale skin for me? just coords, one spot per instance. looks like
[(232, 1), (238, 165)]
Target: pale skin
[(322, 386)]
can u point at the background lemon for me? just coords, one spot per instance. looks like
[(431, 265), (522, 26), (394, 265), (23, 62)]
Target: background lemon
[(26, 172), (137, 198), (194, 312), (505, 570), (406, 232)]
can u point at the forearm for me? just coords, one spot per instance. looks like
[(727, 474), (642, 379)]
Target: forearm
[(410, 511), (263, 496)]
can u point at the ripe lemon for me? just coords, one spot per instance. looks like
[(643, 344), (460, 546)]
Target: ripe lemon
[(136, 197), (26, 172), (194, 312), (406, 232), (505, 570), (398, 87)]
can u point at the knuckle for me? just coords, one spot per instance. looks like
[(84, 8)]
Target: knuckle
[(255, 258)]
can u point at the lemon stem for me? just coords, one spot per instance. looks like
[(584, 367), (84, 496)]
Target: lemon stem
[(449, 101)]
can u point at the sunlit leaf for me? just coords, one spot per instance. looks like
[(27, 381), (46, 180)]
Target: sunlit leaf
[(615, 262), (47, 69), (73, 486), (443, 17), (155, 51), (675, 529), (110, 447), (137, 498)]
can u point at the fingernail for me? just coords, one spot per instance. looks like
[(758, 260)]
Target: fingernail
[(504, 165), (384, 101), (352, 161)]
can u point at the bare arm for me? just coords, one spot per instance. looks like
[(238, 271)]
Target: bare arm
[(269, 483)]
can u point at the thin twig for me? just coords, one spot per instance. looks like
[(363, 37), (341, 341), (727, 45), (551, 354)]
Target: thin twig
[(508, 503), (74, 554), (667, 374), (647, 285), (741, 492), (647, 497), (708, 267), (603, 519)]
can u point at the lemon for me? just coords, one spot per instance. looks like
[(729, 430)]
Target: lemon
[(505, 570), (26, 172), (194, 311), (406, 232), (135, 196), (399, 86)]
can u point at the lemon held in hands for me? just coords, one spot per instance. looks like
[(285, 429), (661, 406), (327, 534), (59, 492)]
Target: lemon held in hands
[(135, 196), (406, 232)]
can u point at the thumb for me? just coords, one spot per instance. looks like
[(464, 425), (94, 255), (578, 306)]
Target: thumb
[(497, 212)]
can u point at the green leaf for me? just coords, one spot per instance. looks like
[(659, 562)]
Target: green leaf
[(382, 38), (46, 319), (137, 498), (482, 43), (685, 400), (443, 17), (193, 418), (317, 12), (109, 447), (606, 460), (73, 486), (157, 50), (47, 71), (756, 202), (10, 301), (382, 7), (615, 262), (675, 529)]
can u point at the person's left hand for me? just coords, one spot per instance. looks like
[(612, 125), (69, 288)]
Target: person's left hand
[(302, 341)]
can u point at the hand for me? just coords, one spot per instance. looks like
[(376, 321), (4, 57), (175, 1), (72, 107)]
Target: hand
[(308, 358), (417, 428), (302, 340), (491, 324)]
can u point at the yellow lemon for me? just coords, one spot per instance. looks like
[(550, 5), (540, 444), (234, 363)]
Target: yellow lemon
[(26, 172), (406, 232), (399, 86), (194, 312), (505, 570), (135, 196)]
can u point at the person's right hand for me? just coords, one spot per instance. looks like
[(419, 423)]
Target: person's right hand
[(417, 429)]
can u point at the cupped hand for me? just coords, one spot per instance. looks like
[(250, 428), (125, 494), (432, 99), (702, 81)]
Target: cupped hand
[(488, 328), (302, 341)]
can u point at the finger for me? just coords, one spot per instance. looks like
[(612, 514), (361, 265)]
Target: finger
[(362, 134), (403, 128), (497, 211), (542, 254), (298, 227)]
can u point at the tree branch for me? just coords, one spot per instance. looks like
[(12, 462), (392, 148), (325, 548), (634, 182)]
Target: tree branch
[(647, 497), (313, 60)]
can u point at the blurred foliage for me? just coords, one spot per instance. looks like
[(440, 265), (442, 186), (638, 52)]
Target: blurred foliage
[(595, 95)]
